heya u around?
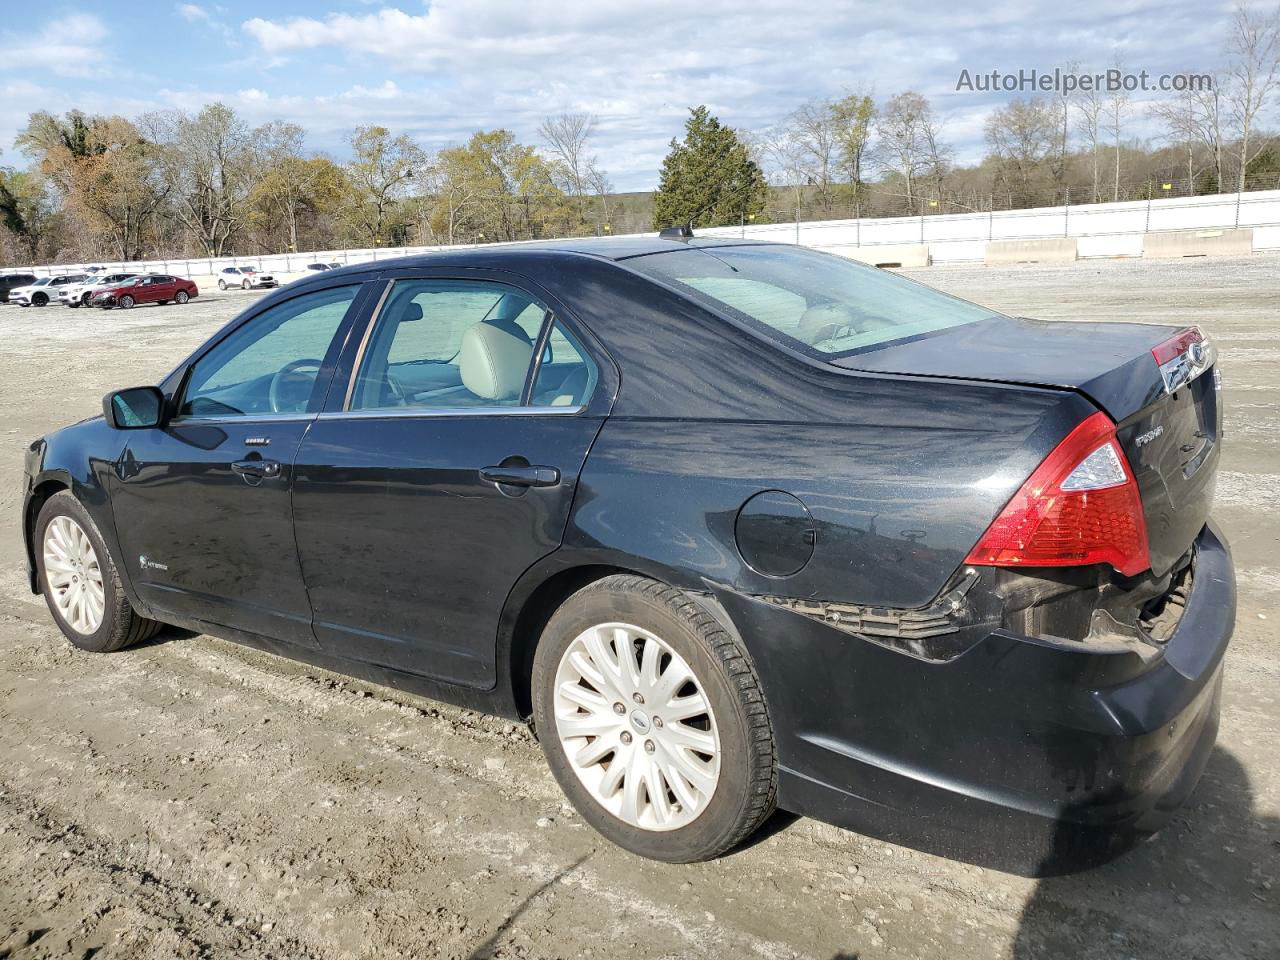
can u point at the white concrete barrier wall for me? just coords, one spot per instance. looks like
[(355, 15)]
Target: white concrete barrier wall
[(1102, 230)]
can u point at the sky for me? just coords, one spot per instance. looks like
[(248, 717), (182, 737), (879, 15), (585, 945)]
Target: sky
[(442, 70)]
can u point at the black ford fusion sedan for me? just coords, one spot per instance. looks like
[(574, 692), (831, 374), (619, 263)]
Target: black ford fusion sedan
[(737, 525)]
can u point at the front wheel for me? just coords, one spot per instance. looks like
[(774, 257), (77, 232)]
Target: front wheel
[(181, 297), (653, 722), (222, 285), (40, 300), (245, 285), (126, 302), (80, 581)]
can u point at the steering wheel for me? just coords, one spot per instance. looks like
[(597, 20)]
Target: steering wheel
[(291, 385)]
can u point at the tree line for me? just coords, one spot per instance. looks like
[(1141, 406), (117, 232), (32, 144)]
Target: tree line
[(206, 184), (173, 184), (859, 155)]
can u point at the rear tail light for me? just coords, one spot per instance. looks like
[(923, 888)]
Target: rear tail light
[(1081, 506), (1183, 357)]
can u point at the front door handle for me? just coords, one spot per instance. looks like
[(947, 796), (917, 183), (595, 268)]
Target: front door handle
[(255, 471), (521, 476)]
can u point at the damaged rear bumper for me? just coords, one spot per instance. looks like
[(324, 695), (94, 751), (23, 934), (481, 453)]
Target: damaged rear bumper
[(1022, 754)]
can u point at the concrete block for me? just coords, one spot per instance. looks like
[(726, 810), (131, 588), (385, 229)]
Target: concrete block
[(1043, 250), (1198, 243), (886, 254)]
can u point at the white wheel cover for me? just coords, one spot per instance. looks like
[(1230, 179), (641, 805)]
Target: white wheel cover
[(636, 727), (73, 575)]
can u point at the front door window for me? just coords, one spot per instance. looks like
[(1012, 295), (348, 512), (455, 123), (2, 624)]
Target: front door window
[(271, 364)]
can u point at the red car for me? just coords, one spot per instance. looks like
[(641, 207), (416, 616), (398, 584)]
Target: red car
[(153, 288)]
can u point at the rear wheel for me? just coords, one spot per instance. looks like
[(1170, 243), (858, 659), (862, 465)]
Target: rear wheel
[(80, 582), (181, 297), (652, 720), (126, 302)]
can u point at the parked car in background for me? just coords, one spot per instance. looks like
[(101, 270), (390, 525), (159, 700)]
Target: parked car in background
[(739, 524), (246, 278), (12, 281), (152, 288), (44, 289), (316, 268), (80, 294)]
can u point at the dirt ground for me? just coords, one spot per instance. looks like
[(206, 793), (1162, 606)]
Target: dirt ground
[(193, 798)]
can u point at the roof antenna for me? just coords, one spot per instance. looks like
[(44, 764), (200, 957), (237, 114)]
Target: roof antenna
[(682, 232)]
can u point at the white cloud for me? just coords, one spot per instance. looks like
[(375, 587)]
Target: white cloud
[(193, 13), (71, 46), (487, 63), (441, 71)]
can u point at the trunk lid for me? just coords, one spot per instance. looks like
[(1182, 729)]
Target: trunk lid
[(1170, 436)]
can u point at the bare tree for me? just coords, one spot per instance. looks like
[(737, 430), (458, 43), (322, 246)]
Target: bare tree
[(1023, 137), (208, 164), (786, 161), (1117, 109), (566, 137), (1090, 106), (813, 128), (1254, 76), (909, 145), (602, 187)]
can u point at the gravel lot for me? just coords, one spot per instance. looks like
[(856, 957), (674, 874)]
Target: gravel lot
[(197, 799)]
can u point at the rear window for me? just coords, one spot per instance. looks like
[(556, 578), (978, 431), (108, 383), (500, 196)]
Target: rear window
[(822, 304)]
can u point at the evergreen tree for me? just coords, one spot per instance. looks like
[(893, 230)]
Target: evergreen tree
[(709, 178)]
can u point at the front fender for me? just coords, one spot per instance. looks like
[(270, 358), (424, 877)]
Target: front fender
[(82, 459)]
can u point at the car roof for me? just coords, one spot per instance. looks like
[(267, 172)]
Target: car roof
[(603, 248)]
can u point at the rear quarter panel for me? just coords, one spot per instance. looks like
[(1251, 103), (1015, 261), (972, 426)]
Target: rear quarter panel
[(899, 488)]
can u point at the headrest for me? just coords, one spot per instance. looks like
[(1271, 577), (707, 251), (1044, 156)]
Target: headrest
[(493, 363), (822, 322), (412, 311), (511, 327)]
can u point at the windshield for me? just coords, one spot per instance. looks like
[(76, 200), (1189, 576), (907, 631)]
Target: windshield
[(43, 281), (823, 304)]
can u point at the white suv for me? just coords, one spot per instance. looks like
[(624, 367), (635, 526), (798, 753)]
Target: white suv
[(79, 294), (245, 277), (41, 292)]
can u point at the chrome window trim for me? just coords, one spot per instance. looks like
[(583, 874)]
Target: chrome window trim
[(442, 413), (369, 327), (247, 418)]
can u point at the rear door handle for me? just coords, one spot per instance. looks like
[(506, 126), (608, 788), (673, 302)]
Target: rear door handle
[(521, 476), (256, 470)]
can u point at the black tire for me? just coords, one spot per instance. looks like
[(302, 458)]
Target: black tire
[(126, 302), (163, 303), (181, 297), (244, 285), (222, 285), (86, 297), (121, 625), (39, 299), (746, 792)]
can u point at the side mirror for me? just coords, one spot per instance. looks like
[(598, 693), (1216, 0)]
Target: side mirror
[(136, 408)]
